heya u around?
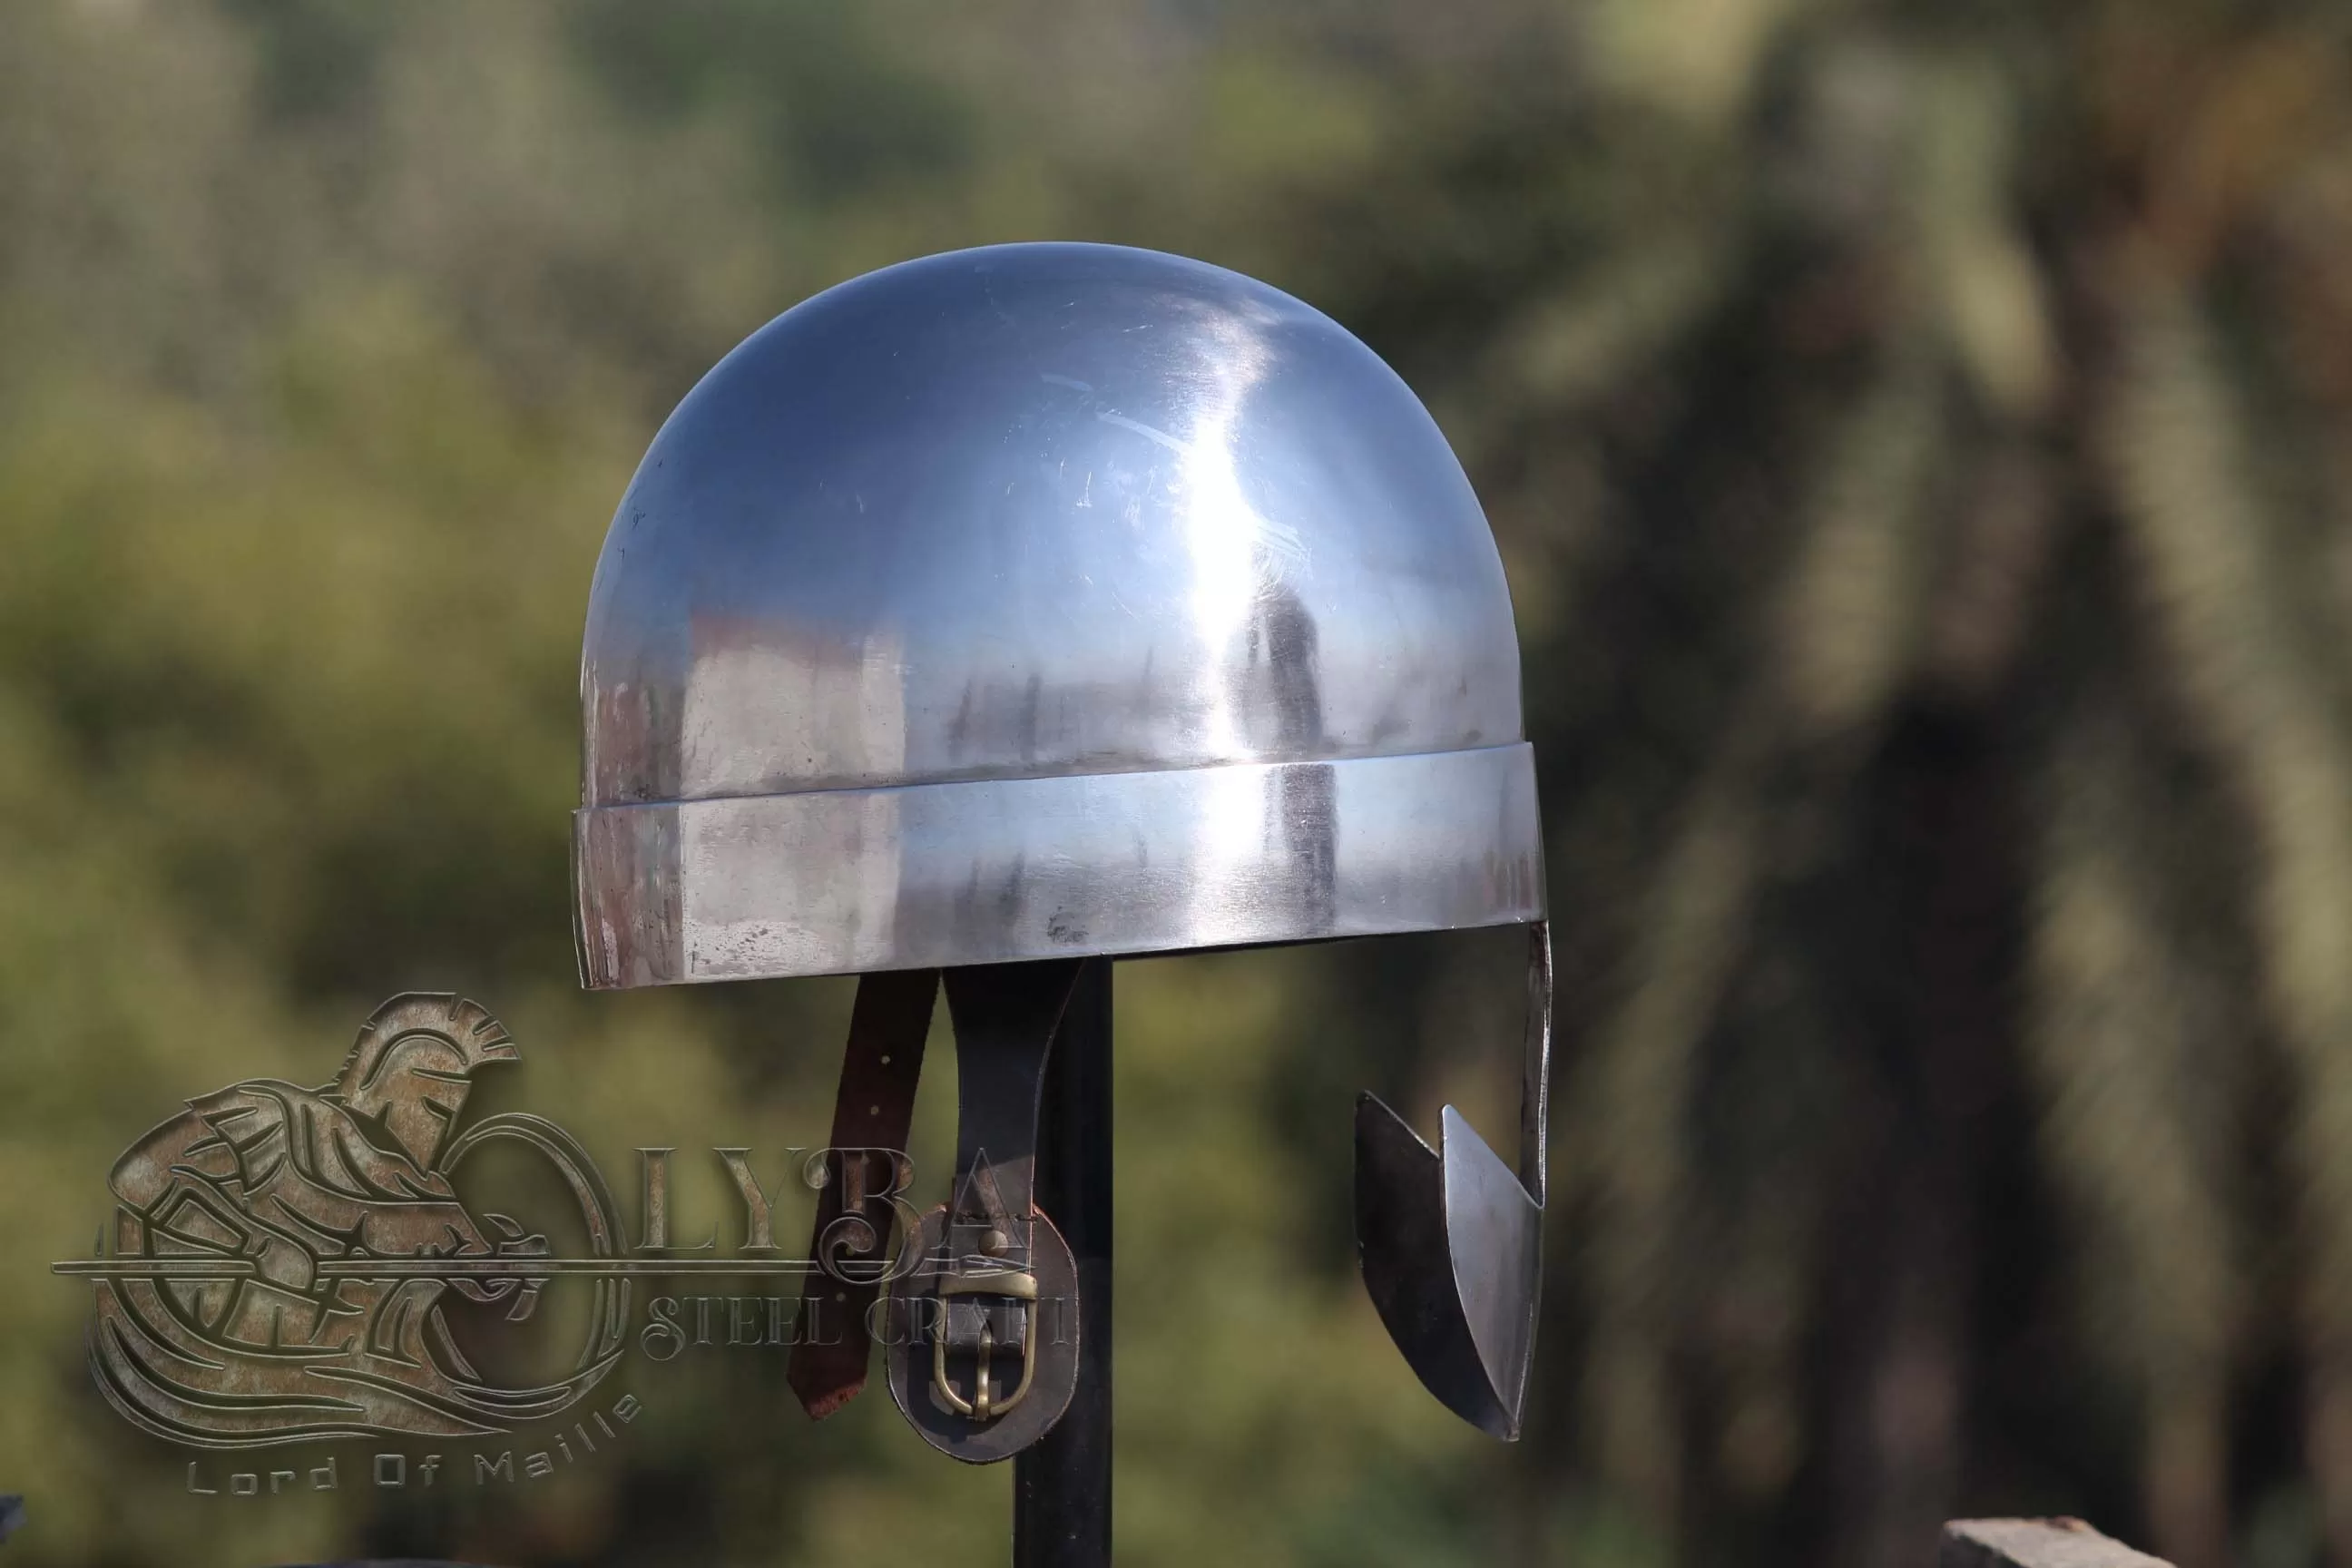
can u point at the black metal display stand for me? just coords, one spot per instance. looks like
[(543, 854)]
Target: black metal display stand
[(1061, 1488)]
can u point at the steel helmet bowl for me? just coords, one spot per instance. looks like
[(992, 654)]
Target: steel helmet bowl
[(1037, 601)]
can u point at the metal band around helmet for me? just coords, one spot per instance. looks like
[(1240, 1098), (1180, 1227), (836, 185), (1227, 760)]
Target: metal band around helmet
[(1000, 871)]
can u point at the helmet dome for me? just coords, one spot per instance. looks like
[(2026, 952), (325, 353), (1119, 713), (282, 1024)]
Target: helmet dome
[(1044, 600)]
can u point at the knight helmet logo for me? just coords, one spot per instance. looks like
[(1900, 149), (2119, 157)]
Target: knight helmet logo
[(281, 1257)]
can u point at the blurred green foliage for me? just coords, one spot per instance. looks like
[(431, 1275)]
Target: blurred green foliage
[(1917, 438)]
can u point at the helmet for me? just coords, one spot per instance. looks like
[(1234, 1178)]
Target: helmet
[(1041, 601), (1025, 607), (413, 1064)]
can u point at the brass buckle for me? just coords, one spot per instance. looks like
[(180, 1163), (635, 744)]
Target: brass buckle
[(1014, 1284)]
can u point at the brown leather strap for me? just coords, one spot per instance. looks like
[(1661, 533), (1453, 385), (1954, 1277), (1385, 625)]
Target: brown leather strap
[(873, 1111)]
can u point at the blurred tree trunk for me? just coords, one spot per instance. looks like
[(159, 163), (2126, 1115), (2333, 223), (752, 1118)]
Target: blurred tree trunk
[(1937, 915)]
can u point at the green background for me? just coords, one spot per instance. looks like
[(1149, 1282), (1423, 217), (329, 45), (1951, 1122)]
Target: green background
[(1917, 438)]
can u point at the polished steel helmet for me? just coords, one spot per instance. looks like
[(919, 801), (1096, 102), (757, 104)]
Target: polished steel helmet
[(1042, 600)]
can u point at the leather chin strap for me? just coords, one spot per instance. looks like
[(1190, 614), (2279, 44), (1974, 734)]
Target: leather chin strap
[(1006, 1015), (983, 1350), (872, 1114)]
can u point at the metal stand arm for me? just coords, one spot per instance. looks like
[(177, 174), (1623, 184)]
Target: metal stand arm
[(1061, 1488)]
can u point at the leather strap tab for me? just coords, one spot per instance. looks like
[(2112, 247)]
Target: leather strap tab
[(872, 1113), (983, 1352), (1006, 1018)]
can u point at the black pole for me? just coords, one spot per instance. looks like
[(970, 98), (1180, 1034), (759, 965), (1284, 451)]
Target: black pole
[(1061, 1488)]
